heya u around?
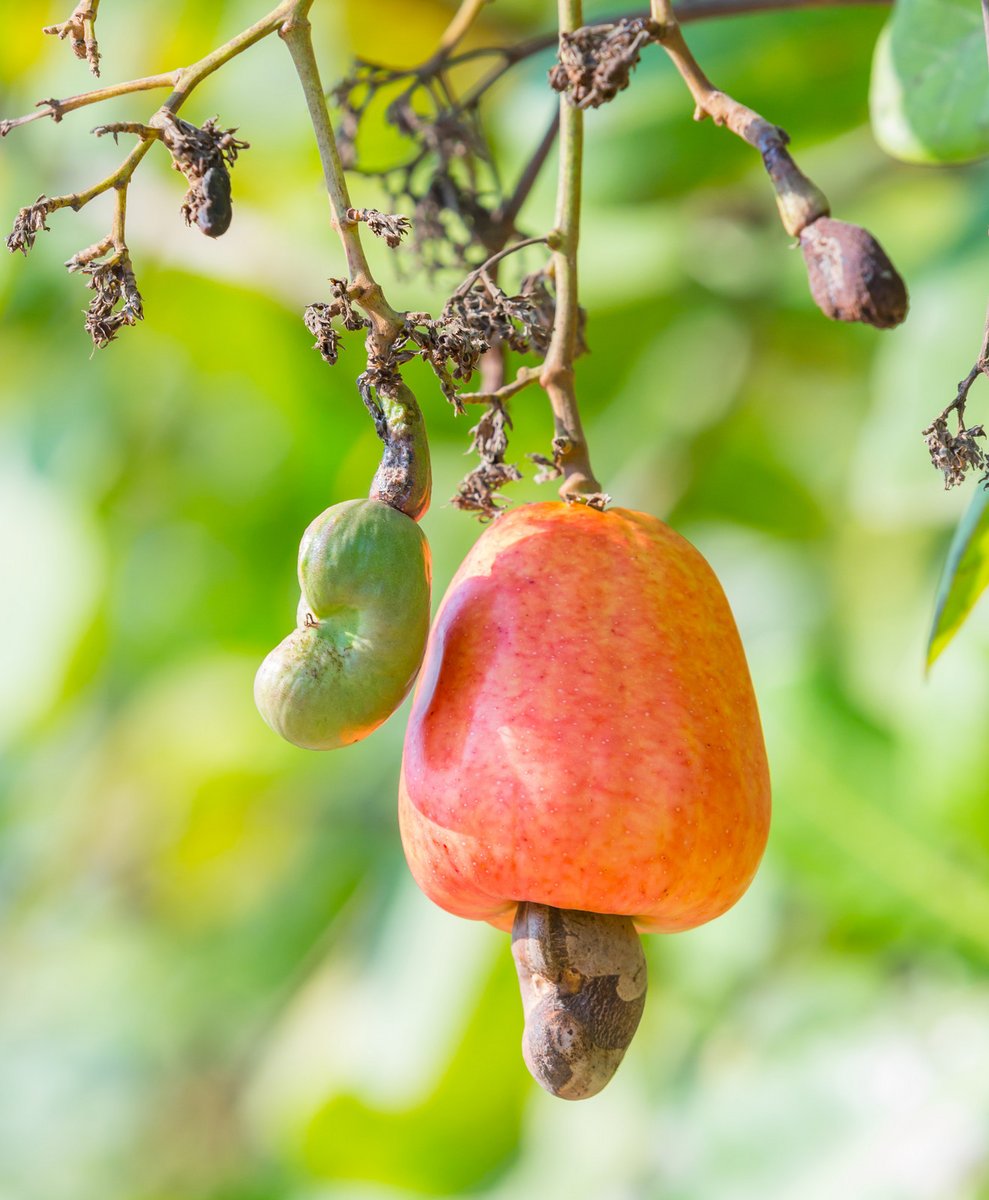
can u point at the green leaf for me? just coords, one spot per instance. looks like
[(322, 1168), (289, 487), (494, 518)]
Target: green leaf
[(929, 96), (965, 576)]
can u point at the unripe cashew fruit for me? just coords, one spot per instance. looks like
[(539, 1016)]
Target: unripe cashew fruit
[(363, 617), (584, 733)]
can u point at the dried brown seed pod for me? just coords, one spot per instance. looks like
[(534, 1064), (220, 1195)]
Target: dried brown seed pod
[(851, 277)]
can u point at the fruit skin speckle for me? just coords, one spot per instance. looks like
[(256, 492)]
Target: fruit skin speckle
[(584, 732)]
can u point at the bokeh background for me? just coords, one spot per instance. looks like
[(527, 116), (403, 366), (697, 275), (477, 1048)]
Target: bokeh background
[(217, 979)]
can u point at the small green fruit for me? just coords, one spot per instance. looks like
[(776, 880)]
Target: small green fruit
[(364, 570)]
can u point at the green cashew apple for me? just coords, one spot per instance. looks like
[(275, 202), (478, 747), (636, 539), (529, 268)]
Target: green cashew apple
[(364, 570)]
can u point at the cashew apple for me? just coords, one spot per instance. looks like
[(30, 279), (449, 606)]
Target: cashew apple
[(584, 732)]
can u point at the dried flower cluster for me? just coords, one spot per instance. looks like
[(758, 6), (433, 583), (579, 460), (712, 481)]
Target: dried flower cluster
[(319, 321), (28, 223), (319, 318), (596, 61), (116, 300), (204, 156), (390, 227), (477, 492), (954, 455)]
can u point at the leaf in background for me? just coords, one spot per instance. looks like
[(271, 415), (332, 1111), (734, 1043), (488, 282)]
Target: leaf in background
[(965, 576), (929, 96)]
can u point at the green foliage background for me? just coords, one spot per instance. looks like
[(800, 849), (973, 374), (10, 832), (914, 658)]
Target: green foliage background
[(216, 978)]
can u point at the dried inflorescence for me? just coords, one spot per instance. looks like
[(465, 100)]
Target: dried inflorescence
[(116, 300), (319, 318), (319, 321), (596, 61), (80, 27), (550, 468), (477, 492), (390, 227), (28, 223), (851, 277), (204, 156), (955, 454), (449, 168)]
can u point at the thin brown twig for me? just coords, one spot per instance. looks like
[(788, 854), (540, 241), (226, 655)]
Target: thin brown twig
[(686, 12), (981, 367), (81, 25), (504, 252), (524, 377), (182, 82), (56, 109), (799, 200)]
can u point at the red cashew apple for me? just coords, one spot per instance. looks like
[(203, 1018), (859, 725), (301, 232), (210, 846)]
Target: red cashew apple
[(584, 739)]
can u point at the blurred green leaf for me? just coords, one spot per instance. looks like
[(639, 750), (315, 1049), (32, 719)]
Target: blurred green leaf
[(965, 575), (459, 1138), (930, 88)]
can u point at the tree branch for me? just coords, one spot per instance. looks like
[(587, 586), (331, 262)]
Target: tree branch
[(296, 34), (799, 200)]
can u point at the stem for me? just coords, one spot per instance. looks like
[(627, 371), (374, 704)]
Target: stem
[(686, 12), (403, 479), (117, 229), (981, 367), (503, 391), (799, 200), (194, 75), (296, 33), (485, 266), (557, 377), (116, 179), (462, 20), (56, 109)]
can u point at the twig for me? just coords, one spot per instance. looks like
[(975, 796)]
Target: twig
[(457, 30), (82, 27), (182, 83), (476, 274), (525, 376), (981, 367), (56, 109), (507, 213), (557, 375), (364, 289), (686, 12), (800, 201), (403, 479)]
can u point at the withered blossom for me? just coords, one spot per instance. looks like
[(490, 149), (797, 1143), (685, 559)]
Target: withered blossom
[(28, 223), (955, 454), (477, 492), (596, 61)]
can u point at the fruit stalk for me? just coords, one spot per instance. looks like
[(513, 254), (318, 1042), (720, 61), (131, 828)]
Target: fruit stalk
[(557, 377)]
